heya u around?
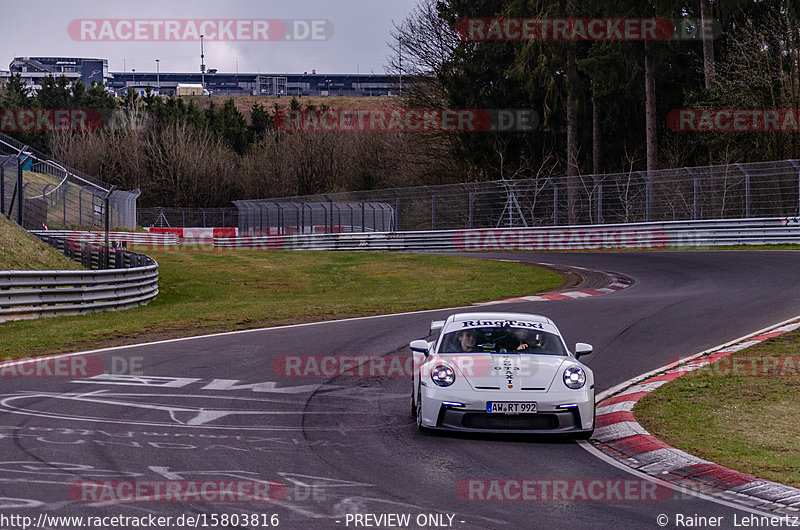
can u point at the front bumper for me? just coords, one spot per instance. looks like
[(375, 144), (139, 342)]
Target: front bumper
[(438, 412)]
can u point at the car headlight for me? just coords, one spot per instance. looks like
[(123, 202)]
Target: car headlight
[(574, 377), (443, 375)]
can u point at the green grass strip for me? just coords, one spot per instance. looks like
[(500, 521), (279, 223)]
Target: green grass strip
[(725, 414), (206, 292)]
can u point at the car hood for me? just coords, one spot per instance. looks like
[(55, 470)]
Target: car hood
[(511, 371)]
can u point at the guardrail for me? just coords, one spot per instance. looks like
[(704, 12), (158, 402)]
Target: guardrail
[(115, 238), (127, 280), (784, 230)]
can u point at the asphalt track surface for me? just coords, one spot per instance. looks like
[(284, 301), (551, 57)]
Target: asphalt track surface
[(214, 409)]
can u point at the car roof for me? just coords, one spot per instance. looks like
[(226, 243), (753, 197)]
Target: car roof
[(489, 315), (490, 319)]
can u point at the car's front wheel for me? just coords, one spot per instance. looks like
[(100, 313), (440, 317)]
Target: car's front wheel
[(418, 411)]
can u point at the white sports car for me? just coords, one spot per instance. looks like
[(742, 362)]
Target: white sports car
[(502, 372)]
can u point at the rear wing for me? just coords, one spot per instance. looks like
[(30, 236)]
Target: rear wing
[(436, 325)]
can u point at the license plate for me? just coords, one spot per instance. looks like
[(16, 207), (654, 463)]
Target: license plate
[(510, 407)]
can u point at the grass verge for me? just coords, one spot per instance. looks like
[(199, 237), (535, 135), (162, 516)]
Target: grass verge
[(206, 292), (21, 251), (725, 414)]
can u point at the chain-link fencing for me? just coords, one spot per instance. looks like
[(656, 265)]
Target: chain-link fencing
[(188, 217), (734, 191), (39, 192)]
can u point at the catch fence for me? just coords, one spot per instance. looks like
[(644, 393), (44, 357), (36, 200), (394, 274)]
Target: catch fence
[(39, 192)]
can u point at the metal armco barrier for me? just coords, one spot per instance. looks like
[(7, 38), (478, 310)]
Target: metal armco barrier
[(638, 235), (129, 281), (115, 238)]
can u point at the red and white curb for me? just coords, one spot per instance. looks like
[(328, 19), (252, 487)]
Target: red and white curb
[(618, 283), (618, 435)]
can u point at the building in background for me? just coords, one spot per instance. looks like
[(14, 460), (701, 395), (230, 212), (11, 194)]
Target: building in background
[(189, 89), (34, 69)]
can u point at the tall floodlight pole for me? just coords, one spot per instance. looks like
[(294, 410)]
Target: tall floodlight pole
[(202, 64), (158, 77)]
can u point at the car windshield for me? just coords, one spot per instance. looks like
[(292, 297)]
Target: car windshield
[(502, 340)]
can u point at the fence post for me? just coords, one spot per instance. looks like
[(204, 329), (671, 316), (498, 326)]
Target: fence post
[(396, 215), (107, 212), (2, 189), (696, 193), (797, 167), (296, 216), (281, 223), (598, 182), (470, 205), (330, 204), (350, 207), (260, 220), (46, 201), (433, 207), (741, 168), (20, 194), (363, 215), (64, 203), (555, 200), (648, 192)]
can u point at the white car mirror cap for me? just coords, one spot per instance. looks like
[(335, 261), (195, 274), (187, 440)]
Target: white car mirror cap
[(420, 346), (582, 349)]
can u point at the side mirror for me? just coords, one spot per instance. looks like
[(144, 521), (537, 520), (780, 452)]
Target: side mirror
[(420, 346), (582, 349)]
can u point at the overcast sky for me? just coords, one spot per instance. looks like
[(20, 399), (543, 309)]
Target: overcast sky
[(36, 28)]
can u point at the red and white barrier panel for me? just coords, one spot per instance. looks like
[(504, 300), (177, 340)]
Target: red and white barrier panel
[(196, 234), (206, 235)]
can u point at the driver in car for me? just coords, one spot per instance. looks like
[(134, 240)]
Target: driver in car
[(468, 339)]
